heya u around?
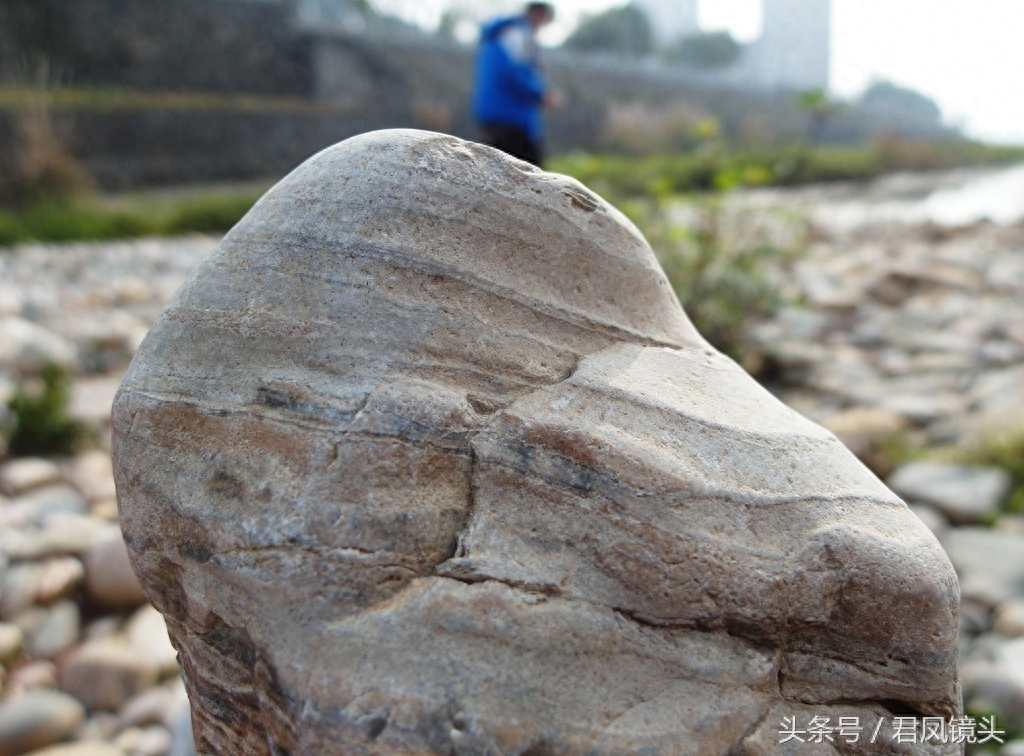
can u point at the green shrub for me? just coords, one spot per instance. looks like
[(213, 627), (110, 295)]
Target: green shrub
[(723, 288), (1005, 451), (42, 425)]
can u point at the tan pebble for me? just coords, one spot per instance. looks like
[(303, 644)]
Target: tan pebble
[(21, 475), (147, 631), (59, 577), (100, 726), (109, 577), (12, 640), (1009, 618), (31, 676), (91, 473), (106, 674)]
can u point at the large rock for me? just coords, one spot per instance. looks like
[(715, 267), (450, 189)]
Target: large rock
[(426, 458)]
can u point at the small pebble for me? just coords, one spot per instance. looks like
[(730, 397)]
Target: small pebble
[(147, 631), (59, 577), (21, 475), (12, 640), (1009, 618), (109, 577), (35, 675), (59, 631), (107, 674), (37, 719)]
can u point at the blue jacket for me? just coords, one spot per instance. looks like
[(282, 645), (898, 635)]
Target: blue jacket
[(508, 90)]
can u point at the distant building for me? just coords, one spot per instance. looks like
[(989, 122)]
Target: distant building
[(794, 50), (671, 19)]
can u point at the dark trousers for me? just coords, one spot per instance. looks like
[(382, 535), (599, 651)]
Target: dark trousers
[(513, 140)]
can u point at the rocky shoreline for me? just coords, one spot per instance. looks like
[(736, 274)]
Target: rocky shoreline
[(891, 329)]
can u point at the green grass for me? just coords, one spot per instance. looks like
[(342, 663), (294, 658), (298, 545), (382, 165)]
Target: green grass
[(623, 176), (92, 219), (1007, 452), (42, 425)]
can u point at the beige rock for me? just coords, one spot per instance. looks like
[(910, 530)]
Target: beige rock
[(82, 748), (147, 632), (58, 578), (109, 579), (35, 675), (1009, 618), (106, 674), (91, 473), (37, 719), (20, 475), (426, 458), (12, 640)]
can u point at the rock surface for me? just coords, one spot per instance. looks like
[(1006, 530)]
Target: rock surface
[(963, 493), (427, 458)]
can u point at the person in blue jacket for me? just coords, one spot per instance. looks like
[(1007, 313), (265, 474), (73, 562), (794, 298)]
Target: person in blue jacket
[(511, 93)]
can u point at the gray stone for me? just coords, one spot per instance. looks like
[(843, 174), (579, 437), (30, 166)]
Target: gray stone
[(91, 398), (19, 589), (997, 682), (182, 741), (467, 480), (1012, 748), (58, 631), (37, 719), (18, 476), (61, 534), (963, 493), (36, 506), (990, 559), (932, 518), (106, 674), (149, 707), (26, 347)]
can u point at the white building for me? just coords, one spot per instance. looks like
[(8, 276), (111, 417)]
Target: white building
[(794, 49), (671, 19)]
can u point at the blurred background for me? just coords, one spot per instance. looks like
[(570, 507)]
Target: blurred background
[(835, 189)]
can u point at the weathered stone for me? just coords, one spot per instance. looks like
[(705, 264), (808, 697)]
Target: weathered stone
[(963, 493), (426, 458), (37, 719), (20, 475), (109, 578), (106, 674)]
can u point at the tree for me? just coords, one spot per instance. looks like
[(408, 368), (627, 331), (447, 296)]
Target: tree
[(625, 31), (710, 50)]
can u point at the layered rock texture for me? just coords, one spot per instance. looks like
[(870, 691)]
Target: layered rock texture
[(427, 459)]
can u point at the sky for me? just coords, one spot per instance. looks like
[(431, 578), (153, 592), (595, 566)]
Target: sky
[(968, 55)]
